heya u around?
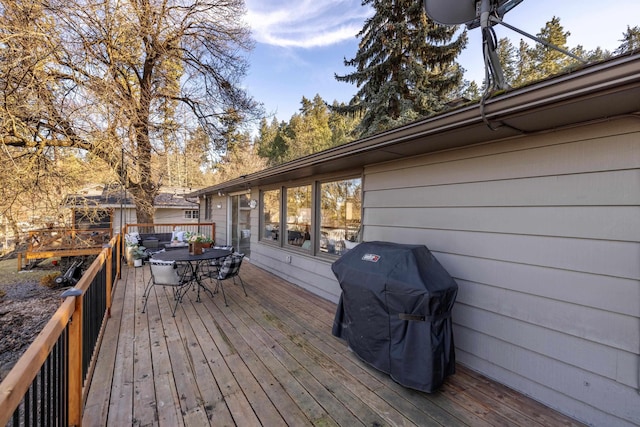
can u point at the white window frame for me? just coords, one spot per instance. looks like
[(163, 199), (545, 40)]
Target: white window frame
[(192, 214)]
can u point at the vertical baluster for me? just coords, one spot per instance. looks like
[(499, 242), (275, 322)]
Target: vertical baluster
[(27, 407)]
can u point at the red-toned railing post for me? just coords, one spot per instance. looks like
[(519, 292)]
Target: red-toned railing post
[(109, 270), (75, 364)]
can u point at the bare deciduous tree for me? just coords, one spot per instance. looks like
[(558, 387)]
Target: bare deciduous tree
[(120, 79)]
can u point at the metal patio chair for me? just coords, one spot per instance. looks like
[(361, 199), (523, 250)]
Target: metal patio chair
[(217, 263), (229, 269), (211, 269), (165, 273)]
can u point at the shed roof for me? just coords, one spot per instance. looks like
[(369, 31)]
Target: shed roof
[(595, 92)]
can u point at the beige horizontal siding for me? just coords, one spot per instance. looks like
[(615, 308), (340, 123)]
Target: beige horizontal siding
[(602, 400), (600, 326), (615, 143), (591, 222), (599, 257), (305, 271), (586, 290), (603, 360), (542, 235), (219, 217), (617, 188)]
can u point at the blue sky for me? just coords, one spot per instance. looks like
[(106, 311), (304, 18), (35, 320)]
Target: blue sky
[(301, 44)]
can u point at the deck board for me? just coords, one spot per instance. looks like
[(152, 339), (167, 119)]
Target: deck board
[(166, 397), (267, 359), (121, 403), (144, 387)]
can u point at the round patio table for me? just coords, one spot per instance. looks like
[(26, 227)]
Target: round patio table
[(194, 261)]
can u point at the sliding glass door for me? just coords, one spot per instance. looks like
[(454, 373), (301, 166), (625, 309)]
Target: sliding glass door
[(240, 223)]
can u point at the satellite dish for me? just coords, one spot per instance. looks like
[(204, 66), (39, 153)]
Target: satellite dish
[(484, 14), (447, 12), (475, 13), (458, 12)]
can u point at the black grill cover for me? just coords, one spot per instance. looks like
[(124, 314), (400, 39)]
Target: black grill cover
[(395, 311)]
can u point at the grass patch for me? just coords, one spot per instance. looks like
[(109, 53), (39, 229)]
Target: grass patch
[(9, 274)]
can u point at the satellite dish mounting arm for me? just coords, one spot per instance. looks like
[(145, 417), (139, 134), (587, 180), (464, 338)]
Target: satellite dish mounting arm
[(487, 20), (484, 14), (489, 46), (497, 20)]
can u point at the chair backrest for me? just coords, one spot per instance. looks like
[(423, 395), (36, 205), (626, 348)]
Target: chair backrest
[(218, 261), (164, 272), (230, 266), (227, 248)]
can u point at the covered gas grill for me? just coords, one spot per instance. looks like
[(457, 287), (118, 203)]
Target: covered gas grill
[(395, 312)]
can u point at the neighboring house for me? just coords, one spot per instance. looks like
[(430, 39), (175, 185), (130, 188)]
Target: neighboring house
[(532, 203), (104, 206)]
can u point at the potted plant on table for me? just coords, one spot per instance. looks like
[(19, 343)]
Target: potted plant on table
[(197, 241)]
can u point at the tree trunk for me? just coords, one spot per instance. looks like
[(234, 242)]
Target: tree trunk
[(145, 190)]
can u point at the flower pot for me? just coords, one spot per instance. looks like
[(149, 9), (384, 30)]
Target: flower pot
[(137, 262), (195, 248), (129, 255)]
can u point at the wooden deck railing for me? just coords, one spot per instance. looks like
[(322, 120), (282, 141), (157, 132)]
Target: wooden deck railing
[(206, 228), (63, 242), (67, 238), (47, 386)]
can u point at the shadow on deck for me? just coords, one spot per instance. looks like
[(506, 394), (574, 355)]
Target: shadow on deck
[(268, 359)]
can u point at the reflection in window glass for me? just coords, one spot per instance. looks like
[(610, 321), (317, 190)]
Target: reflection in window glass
[(271, 215), (299, 216), (340, 215)]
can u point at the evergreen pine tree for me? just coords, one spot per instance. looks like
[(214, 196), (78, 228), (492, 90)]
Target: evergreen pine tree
[(342, 126), (310, 128), (470, 90), (525, 66), (267, 133), (274, 141), (405, 66), (630, 40), (507, 54), (598, 54), (549, 62)]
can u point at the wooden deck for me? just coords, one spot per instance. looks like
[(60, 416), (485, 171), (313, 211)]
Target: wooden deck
[(267, 359)]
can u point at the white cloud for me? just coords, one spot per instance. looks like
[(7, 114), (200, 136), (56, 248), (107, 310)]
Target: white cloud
[(305, 23)]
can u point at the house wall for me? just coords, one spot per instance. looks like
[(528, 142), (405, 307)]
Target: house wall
[(218, 216), (165, 216), (313, 274), (161, 216), (128, 216), (542, 235)]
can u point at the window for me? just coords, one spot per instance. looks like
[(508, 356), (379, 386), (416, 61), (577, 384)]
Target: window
[(270, 215), (191, 214), (340, 215), (323, 216), (299, 216)]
